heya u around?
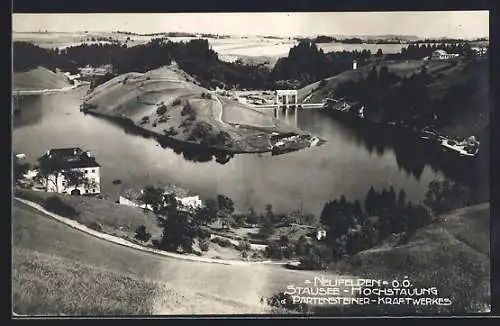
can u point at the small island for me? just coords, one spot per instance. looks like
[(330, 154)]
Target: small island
[(167, 103)]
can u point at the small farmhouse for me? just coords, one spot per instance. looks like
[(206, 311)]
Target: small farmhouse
[(62, 160), (442, 55)]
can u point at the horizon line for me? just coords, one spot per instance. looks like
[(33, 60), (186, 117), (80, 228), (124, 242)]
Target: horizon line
[(258, 35)]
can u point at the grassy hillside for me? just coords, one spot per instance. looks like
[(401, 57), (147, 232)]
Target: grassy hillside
[(458, 90), (452, 255), (113, 218), (38, 79), (62, 271), (167, 103)]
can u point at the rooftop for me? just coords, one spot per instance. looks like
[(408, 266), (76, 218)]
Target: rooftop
[(70, 158), (440, 51), (135, 194)]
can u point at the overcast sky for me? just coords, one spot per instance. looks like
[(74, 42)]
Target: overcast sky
[(459, 24)]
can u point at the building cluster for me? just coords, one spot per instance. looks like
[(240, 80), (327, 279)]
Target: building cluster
[(480, 51), (443, 55), (91, 72), (186, 201)]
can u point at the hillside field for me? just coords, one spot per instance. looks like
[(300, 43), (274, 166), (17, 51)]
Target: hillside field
[(38, 79), (449, 78), (452, 255), (61, 271)]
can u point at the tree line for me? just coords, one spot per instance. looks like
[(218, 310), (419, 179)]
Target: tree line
[(409, 99), (304, 64), (352, 227), (419, 51)]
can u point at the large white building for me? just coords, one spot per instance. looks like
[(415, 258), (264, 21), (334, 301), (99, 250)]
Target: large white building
[(286, 97), (442, 55), (72, 159)]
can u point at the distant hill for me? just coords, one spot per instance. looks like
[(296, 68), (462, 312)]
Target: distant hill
[(458, 89), (452, 255), (39, 78)]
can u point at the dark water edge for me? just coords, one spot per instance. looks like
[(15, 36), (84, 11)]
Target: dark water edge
[(191, 152), (349, 163), (413, 153)]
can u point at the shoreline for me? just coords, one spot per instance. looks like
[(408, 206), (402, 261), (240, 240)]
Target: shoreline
[(47, 91), (129, 125)]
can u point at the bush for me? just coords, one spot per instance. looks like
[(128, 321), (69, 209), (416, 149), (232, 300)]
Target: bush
[(141, 234), (284, 301), (203, 234), (317, 258), (56, 205), (161, 110), (204, 245), (244, 245), (222, 242), (187, 110), (177, 101), (95, 226), (163, 119), (170, 132)]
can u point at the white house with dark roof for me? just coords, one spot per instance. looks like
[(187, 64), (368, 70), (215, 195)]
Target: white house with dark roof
[(67, 159)]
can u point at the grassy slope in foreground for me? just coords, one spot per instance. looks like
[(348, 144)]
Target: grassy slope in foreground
[(38, 79), (59, 270), (452, 255), (188, 116)]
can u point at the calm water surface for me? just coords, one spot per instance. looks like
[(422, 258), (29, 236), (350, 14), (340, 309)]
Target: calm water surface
[(349, 163)]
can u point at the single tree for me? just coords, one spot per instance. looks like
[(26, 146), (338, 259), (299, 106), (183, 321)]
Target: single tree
[(20, 169), (208, 213), (76, 178), (401, 199), (226, 208), (179, 232), (152, 197), (370, 201), (50, 169), (141, 234)]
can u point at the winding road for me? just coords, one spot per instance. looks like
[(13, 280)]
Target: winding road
[(220, 286)]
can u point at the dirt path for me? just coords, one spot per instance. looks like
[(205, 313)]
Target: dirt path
[(131, 245)]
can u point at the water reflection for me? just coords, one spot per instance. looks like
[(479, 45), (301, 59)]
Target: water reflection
[(414, 155), (303, 179), (190, 152), (26, 111)]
